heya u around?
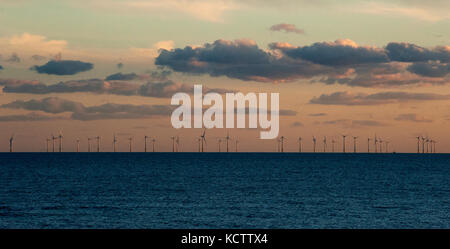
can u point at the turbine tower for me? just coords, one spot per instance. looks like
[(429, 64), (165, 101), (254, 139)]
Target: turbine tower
[(282, 143), (53, 143), (418, 144), (173, 143), (314, 144), (203, 137), (227, 138), (89, 144), (145, 143), (423, 144), (375, 143), (381, 145), (343, 143), (177, 143), (114, 142), (387, 144), (219, 141), (354, 144), (60, 141), (78, 145), (332, 144), (11, 143), (324, 144), (48, 144), (368, 145), (131, 143), (153, 144), (199, 144), (236, 145), (299, 144), (98, 143)]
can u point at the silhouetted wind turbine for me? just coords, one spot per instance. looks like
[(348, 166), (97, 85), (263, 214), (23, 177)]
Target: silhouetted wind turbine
[(131, 143), (48, 144), (368, 145), (173, 143), (11, 143), (278, 145), (282, 143), (375, 143), (236, 145), (60, 141), (89, 144), (332, 144), (387, 144), (78, 145), (423, 145), (324, 144), (219, 141), (145, 143), (53, 143), (114, 142), (418, 144), (314, 144), (354, 144), (153, 144), (177, 144), (98, 143), (227, 138), (203, 137), (381, 145), (299, 144), (343, 143)]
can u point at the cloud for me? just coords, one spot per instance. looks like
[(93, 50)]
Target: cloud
[(79, 111), (407, 52), (63, 67), (27, 117), (347, 123), (239, 59), (14, 58), (121, 76), (37, 57), (30, 44), (338, 53), (351, 99), (297, 124), (317, 114), (150, 89), (287, 28), (412, 117), (430, 69)]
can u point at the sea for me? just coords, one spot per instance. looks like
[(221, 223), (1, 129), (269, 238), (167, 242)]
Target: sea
[(224, 190)]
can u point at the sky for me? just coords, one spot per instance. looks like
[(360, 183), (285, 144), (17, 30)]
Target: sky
[(97, 68)]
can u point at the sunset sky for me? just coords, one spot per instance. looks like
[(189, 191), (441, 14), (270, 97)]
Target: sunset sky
[(104, 67)]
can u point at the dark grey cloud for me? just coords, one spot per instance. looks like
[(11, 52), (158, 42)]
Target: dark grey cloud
[(297, 124), (348, 123), (79, 111), (430, 68), (14, 58), (338, 53), (122, 76), (240, 59), (288, 28), (150, 89), (63, 67), (407, 52), (321, 114), (33, 116), (412, 117), (37, 57), (351, 99)]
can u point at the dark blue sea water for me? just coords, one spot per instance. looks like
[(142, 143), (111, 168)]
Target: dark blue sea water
[(224, 190)]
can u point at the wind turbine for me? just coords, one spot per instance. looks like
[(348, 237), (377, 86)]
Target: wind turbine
[(98, 143), (332, 144), (153, 144), (173, 143), (89, 144), (299, 144), (236, 141), (343, 143), (48, 144), (177, 143), (203, 137), (145, 143), (227, 138), (314, 144), (423, 144), (131, 144), (375, 143), (368, 145), (381, 145), (219, 141), (11, 143), (282, 143), (418, 144), (387, 144), (114, 142), (78, 145), (60, 141), (324, 144), (53, 143), (199, 146), (354, 144)]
